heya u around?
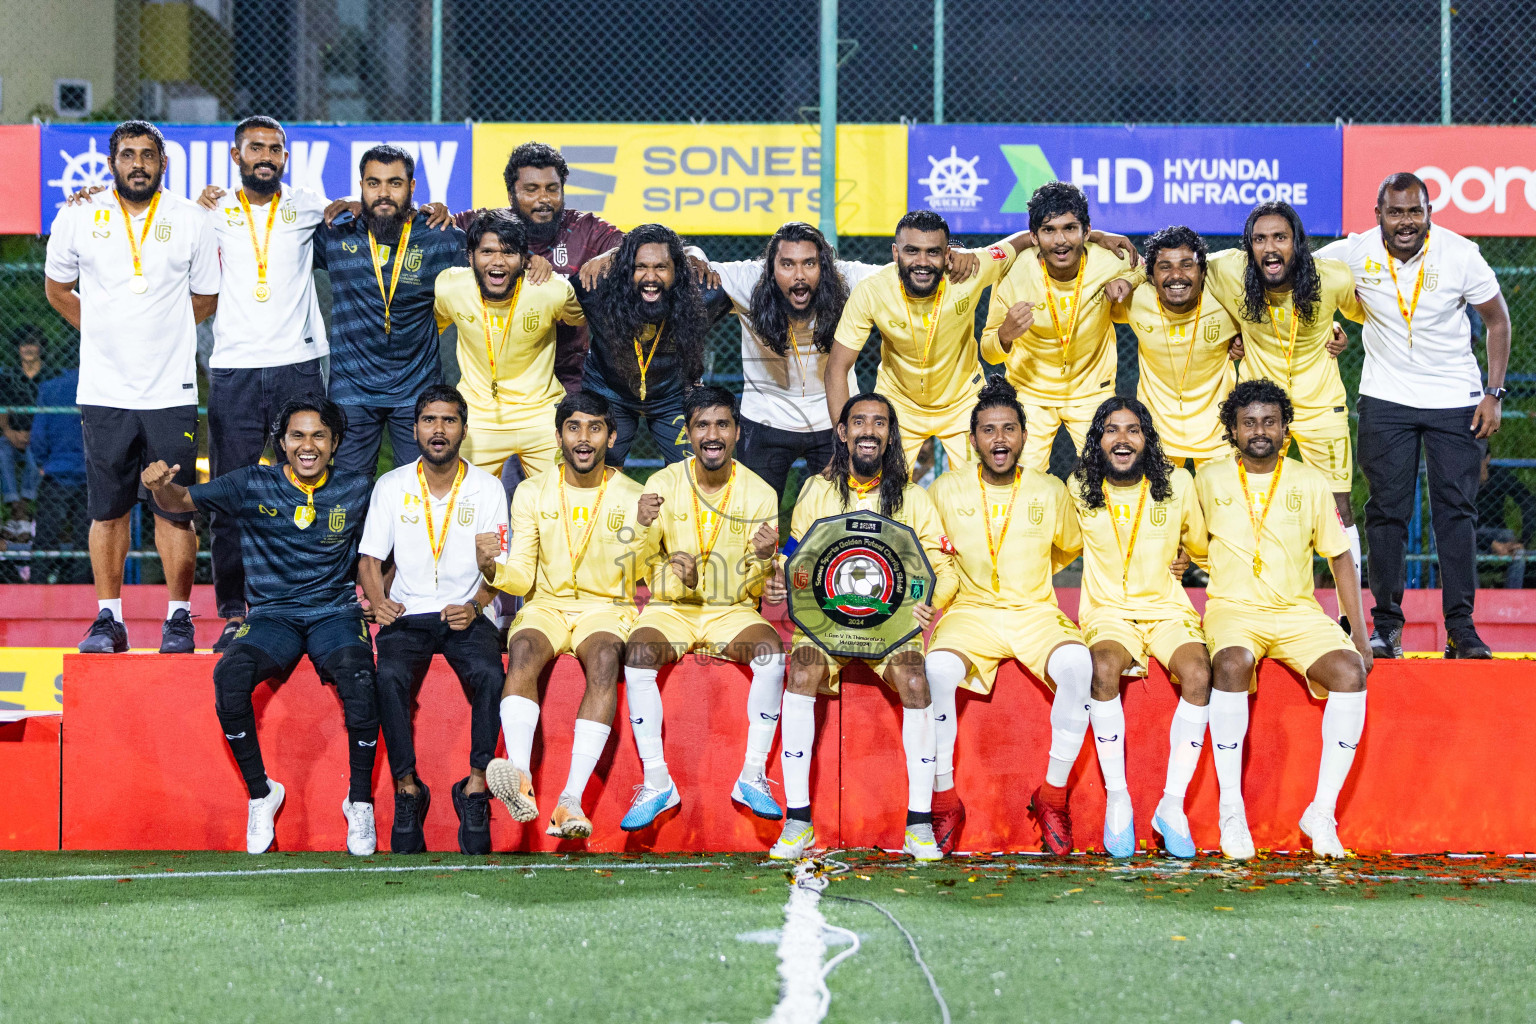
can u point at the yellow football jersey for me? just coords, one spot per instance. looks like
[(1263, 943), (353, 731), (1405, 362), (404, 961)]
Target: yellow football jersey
[(1125, 559), (1185, 372), (526, 387), (1303, 519), (1036, 363), (722, 522), (819, 499), (1306, 370), (551, 521), (1038, 538), (951, 373)]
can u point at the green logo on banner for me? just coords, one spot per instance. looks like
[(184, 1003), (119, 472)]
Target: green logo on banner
[(1030, 170)]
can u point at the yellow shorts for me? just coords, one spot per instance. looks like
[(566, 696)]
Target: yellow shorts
[(488, 445), (1041, 422), (951, 426), (1296, 637), (694, 627), (1323, 440), (802, 646), (567, 627), (1028, 634), (1143, 638)]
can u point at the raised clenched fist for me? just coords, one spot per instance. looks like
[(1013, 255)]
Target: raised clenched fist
[(650, 508)]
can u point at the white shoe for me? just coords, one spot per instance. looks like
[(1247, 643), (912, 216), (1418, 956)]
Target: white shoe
[(1236, 842), (362, 838), (261, 819), (1324, 833), (920, 844), (797, 837)]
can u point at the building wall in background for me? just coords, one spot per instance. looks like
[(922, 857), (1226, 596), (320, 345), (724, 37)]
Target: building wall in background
[(45, 42)]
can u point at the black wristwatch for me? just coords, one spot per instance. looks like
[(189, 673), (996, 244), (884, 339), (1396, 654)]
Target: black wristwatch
[(478, 607), (1497, 394)]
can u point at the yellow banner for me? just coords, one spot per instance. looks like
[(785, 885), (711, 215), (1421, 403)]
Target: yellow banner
[(713, 179), (31, 680)]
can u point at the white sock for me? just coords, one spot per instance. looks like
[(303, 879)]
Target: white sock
[(519, 721), (945, 672), (797, 730), (591, 738), (1343, 721), (1108, 718), (917, 742), (764, 700), (173, 607), (644, 699), (113, 605), (1071, 669), (1353, 533), (1186, 737), (1229, 726)]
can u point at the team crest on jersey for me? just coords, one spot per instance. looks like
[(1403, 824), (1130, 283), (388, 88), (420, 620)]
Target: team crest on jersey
[(413, 259), (999, 511), (531, 321), (1293, 500), (288, 213), (616, 519), (163, 232), (466, 515), (1159, 515), (559, 256), (1372, 267), (1036, 512), (1213, 332), (338, 519), (101, 222), (1431, 279), (580, 514), (1122, 513), (963, 305)]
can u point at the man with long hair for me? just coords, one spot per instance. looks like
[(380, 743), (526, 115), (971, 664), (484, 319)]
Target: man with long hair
[(578, 549), (1265, 517), (1135, 512), (868, 473), (649, 321), (300, 524), (1008, 528), (1062, 363), (719, 542)]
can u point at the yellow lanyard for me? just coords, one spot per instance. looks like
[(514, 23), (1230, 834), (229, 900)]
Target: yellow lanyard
[(794, 346), (438, 542), (485, 324), (932, 326), (862, 491), (1290, 346), (261, 292), (394, 277), (1418, 286), (706, 547), (1065, 337), (1189, 355), (1127, 550), (1269, 500), (986, 517), (644, 362), (136, 245), (304, 515), (578, 553)]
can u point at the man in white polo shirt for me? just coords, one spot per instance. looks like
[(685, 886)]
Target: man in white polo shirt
[(1422, 385), (135, 270), (426, 514)]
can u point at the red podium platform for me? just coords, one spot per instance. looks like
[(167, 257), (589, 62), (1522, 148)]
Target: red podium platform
[(29, 783)]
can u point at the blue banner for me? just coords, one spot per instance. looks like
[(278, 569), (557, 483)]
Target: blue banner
[(320, 157), (1138, 180)]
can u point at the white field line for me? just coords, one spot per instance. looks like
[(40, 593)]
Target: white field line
[(1237, 871), (803, 993), (382, 869)]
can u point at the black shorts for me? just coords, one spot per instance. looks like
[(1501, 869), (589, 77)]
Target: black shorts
[(119, 443), (285, 639)]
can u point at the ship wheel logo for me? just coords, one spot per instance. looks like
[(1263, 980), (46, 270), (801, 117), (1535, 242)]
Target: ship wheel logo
[(82, 171), (953, 183)]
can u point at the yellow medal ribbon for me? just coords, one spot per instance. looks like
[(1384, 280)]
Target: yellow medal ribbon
[(1269, 501), (794, 346), (304, 515), (578, 553), (1290, 346), (1418, 286), (932, 327), (861, 491), (378, 271), (644, 362), (1128, 549), (136, 245), (438, 542), (706, 547), (1065, 337), (485, 324), (261, 292), (1189, 355), (986, 518)]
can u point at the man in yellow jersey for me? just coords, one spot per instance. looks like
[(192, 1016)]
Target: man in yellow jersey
[(577, 549), (1266, 515), (506, 327), (719, 535), (868, 473), (1049, 321), (1135, 511), (1008, 528), (928, 366), (1184, 341)]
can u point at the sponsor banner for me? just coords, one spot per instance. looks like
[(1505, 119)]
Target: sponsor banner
[(18, 168), (31, 683), (1482, 180), (320, 157), (714, 179), (1138, 180)]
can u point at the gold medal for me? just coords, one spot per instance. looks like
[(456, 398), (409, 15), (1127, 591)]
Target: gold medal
[(261, 292), (933, 326), (995, 550), (1128, 548), (138, 285), (1290, 347), (707, 547), (644, 361), (1258, 564), (485, 326), (380, 254), (1065, 337), (303, 516), (1418, 286), (1257, 520), (578, 551), (438, 541)]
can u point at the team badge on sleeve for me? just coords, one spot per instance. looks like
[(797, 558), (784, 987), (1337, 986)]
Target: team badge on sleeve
[(997, 252)]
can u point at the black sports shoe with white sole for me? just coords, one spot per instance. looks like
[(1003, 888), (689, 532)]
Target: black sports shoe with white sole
[(406, 836), (474, 811)]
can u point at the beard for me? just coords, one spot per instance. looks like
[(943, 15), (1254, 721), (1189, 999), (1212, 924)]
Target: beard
[(1260, 447), (449, 455), (485, 292), (654, 312), (1136, 471), (544, 234), (913, 290), (386, 227), (132, 194), (862, 466), (261, 186)]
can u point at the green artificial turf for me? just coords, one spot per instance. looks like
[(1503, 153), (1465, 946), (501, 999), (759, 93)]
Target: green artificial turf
[(1007, 939)]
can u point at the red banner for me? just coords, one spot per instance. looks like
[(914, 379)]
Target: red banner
[(1482, 180), (18, 169)]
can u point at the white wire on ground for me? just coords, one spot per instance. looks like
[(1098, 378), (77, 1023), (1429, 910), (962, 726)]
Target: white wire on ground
[(933, 985)]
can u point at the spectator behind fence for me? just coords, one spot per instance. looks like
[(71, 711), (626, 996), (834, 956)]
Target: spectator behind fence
[(18, 467), (1500, 488), (58, 445)]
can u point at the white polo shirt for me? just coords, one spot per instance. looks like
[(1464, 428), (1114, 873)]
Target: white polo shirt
[(137, 351), (287, 327), (780, 390), (1439, 371), (396, 522)]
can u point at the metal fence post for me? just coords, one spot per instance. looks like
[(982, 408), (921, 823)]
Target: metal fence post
[(938, 61), (829, 120), (1445, 61), (437, 61)]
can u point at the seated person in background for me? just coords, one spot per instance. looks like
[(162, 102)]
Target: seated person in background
[(58, 447), (1499, 486)]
